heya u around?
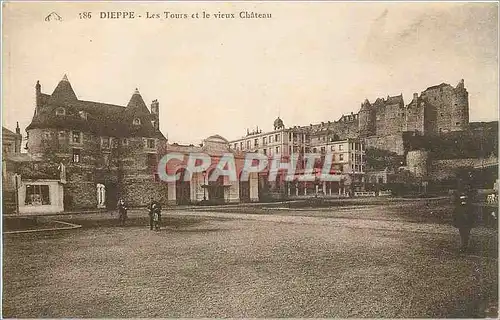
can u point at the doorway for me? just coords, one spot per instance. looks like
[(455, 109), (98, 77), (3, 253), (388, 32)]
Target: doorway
[(182, 188)]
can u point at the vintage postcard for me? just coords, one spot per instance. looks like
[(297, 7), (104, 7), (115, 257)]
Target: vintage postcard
[(249, 159)]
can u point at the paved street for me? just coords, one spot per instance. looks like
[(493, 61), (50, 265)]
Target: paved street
[(360, 261)]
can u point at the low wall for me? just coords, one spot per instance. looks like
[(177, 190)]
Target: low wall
[(444, 169)]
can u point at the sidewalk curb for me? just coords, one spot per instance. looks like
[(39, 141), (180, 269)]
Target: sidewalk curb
[(70, 227)]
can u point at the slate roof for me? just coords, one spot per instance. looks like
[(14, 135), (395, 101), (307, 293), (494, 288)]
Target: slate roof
[(7, 133), (102, 118)]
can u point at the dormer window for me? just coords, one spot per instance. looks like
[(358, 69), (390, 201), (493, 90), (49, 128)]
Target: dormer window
[(60, 111), (83, 114), (137, 122)]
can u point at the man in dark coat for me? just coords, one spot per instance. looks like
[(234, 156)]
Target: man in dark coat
[(464, 215), (154, 205)]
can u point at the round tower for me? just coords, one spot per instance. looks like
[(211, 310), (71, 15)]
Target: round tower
[(366, 123), (459, 108)]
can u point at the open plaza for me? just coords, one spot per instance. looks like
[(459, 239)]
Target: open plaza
[(351, 258)]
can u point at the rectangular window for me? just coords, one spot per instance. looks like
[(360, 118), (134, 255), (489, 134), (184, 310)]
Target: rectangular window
[(264, 141), (270, 139), (323, 150), (340, 147), (37, 195), (105, 158), (105, 142), (151, 161), (235, 146), (124, 142), (76, 137), (151, 143), (113, 142), (341, 157), (241, 145), (277, 149), (333, 157), (76, 155), (277, 138), (333, 148), (256, 142), (264, 151), (248, 144)]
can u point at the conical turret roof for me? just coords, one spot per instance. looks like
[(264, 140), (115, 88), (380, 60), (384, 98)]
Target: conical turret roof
[(365, 105), (64, 91), (136, 102)]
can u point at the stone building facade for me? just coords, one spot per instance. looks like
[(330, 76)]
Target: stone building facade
[(107, 151), (295, 142), (199, 187), (437, 110)]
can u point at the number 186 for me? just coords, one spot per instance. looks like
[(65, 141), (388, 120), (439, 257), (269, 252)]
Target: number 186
[(85, 15)]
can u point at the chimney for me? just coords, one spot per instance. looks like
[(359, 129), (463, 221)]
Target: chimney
[(18, 130), (415, 96), (155, 112), (38, 92)]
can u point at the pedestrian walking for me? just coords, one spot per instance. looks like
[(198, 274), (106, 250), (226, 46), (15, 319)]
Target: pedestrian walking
[(464, 215), (154, 208), (156, 217), (122, 211)]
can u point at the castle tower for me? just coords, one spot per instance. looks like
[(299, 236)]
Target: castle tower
[(366, 119), (459, 108), (155, 114)]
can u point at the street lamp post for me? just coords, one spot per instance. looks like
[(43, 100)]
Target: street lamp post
[(204, 185)]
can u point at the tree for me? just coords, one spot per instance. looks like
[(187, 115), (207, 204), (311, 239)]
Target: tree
[(378, 159)]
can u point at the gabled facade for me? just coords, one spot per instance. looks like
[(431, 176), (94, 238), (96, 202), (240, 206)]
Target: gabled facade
[(108, 151)]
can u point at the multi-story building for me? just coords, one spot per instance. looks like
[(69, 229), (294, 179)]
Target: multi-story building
[(281, 140), (347, 157), (439, 109), (11, 142), (101, 151), (11, 145)]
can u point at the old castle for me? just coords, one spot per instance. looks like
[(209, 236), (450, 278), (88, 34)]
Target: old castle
[(383, 123)]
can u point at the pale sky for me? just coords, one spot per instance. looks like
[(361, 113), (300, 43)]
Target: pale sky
[(310, 62)]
